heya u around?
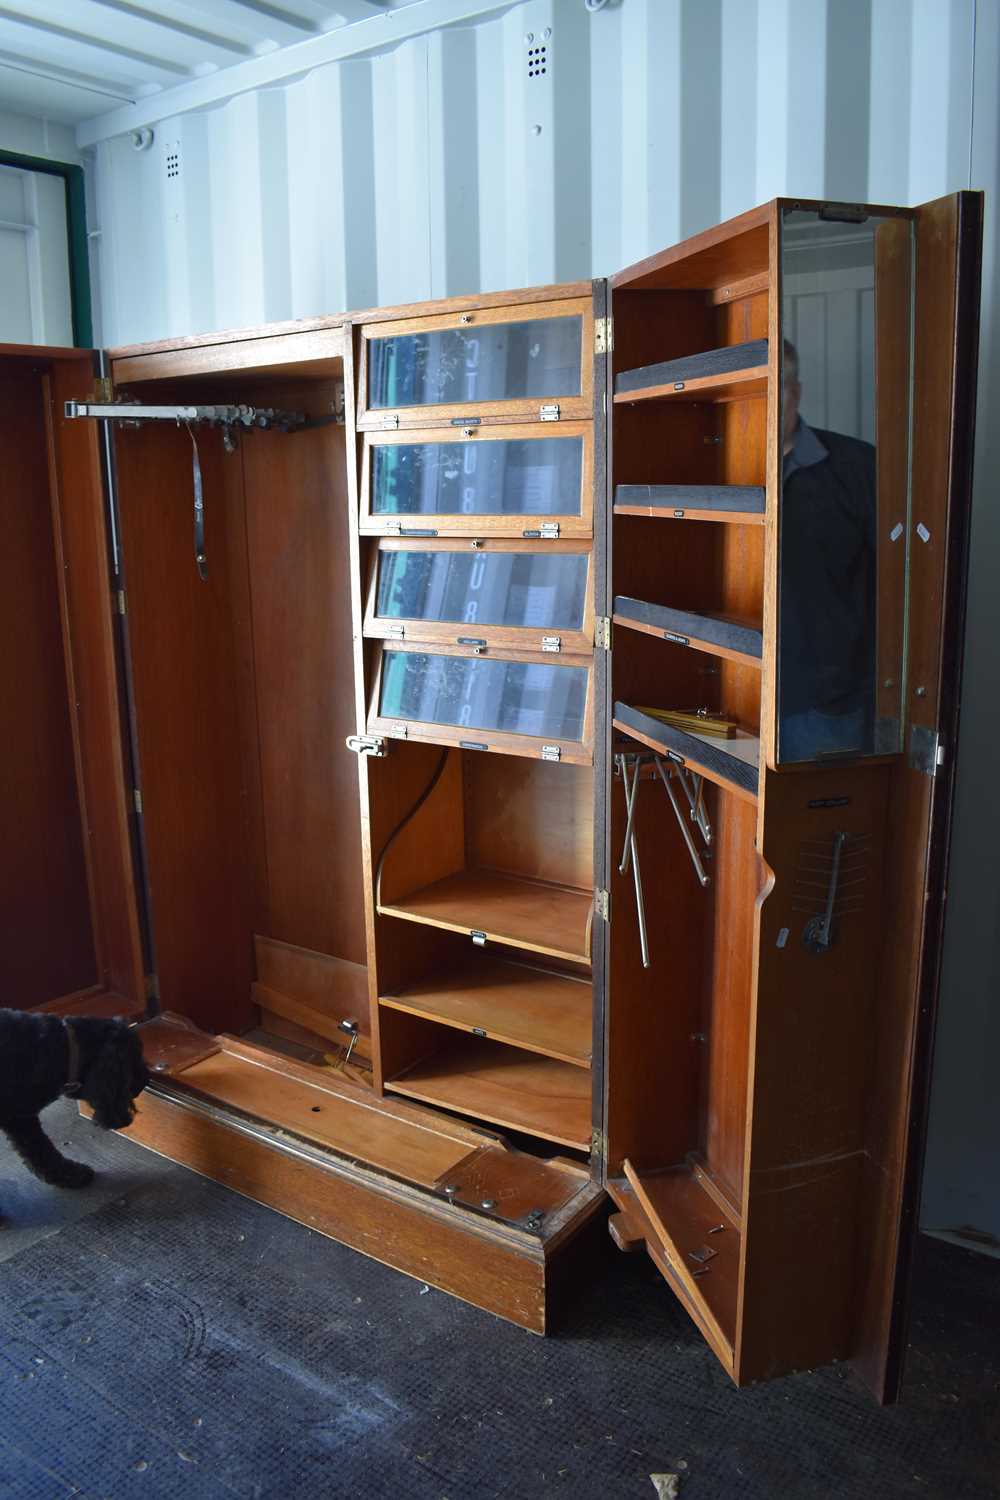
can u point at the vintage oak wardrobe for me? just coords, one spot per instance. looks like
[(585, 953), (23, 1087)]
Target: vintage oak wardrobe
[(404, 716)]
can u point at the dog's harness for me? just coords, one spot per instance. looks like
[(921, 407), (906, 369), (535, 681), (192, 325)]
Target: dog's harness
[(73, 1082)]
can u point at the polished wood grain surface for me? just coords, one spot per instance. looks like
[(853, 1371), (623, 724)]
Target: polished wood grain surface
[(528, 914), (520, 1090), (742, 385), (527, 1007), (529, 818), (44, 891)]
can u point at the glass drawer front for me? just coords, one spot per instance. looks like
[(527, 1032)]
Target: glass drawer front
[(511, 697), (488, 362), (514, 589), (516, 477)]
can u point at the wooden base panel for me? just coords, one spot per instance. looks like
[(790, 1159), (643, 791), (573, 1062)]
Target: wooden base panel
[(502, 1270)]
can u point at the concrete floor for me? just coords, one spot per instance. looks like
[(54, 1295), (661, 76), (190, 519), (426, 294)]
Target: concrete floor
[(160, 1336)]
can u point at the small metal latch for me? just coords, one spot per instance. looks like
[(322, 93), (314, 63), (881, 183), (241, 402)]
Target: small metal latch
[(367, 744), (551, 642), (603, 335), (396, 632), (926, 752), (477, 643), (551, 752), (549, 412), (479, 938), (547, 532), (602, 633), (478, 1031), (351, 1028), (602, 904)]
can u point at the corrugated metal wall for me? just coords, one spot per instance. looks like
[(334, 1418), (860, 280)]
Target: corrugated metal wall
[(444, 166)]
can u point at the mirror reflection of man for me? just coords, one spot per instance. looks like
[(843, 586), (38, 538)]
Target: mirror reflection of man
[(828, 581)]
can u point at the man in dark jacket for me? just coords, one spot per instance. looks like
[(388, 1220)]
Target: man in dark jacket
[(826, 664)]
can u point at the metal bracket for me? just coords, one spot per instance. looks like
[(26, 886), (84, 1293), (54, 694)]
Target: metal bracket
[(478, 937), (602, 904), (551, 642), (549, 412), (367, 744), (551, 752), (602, 633), (216, 416), (396, 632), (603, 335), (351, 1029), (388, 424), (926, 752)]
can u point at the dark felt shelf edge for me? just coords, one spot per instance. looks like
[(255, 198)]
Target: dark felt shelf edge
[(733, 497), (707, 628), (724, 361), (712, 756)]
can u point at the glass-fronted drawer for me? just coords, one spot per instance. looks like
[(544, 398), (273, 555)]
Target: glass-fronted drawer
[(533, 596), (533, 360), (519, 480), (527, 704)]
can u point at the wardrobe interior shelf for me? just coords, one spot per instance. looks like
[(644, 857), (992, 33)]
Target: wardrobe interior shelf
[(729, 636), (732, 764), (509, 1002), (740, 503), (531, 914), (727, 374), (504, 1086)]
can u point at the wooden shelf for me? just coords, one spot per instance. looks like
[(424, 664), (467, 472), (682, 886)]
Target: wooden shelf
[(730, 636), (731, 373), (529, 914), (733, 764), (738, 504), (504, 1086), (526, 1007), (683, 1220)]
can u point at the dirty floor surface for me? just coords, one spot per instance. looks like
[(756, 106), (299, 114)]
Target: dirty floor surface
[(160, 1336)]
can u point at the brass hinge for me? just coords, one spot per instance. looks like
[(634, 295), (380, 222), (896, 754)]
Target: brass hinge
[(603, 335), (366, 744), (137, 800), (122, 602), (602, 904), (152, 987), (602, 633), (103, 391), (598, 1143)]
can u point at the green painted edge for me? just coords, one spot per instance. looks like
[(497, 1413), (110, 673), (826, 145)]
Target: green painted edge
[(76, 236)]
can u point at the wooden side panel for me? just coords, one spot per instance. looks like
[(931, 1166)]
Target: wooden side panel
[(529, 818), (187, 711), (320, 991), (88, 605), (48, 945), (949, 248)]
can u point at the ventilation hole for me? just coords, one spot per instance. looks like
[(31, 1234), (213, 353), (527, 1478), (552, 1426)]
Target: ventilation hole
[(537, 59), (173, 164)]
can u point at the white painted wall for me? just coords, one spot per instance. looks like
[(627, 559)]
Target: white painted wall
[(35, 304), (440, 166)]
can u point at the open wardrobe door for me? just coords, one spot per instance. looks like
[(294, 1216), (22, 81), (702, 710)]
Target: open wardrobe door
[(788, 614)]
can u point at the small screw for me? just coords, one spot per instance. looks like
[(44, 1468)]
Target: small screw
[(451, 1190), (529, 37), (488, 1203), (546, 33), (889, 682), (536, 130), (921, 692)]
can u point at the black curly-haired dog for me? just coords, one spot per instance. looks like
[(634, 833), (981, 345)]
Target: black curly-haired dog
[(86, 1057)]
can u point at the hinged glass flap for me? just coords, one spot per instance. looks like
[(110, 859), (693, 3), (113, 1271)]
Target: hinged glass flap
[(520, 358), (501, 480), (511, 592), (484, 703)]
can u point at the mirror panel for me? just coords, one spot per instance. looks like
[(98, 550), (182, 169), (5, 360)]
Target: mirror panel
[(847, 288), (540, 357), (530, 590), (511, 697)]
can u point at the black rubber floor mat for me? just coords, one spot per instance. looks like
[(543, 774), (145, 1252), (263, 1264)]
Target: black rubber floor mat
[(183, 1341)]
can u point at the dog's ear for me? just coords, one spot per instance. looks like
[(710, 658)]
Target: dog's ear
[(114, 1078)]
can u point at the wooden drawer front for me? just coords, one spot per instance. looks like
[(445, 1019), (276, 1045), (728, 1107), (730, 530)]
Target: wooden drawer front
[(490, 363), (514, 702), (532, 596), (511, 481)]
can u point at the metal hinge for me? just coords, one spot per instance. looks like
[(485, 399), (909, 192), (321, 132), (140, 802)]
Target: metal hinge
[(602, 633), (602, 904), (152, 987), (551, 752), (103, 391), (549, 412), (367, 744), (389, 423), (547, 532), (137, 800), (551, 642), (598, 1143), (603, 335), (121, 602), (396, 632), (478, 937), (927, 750)]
